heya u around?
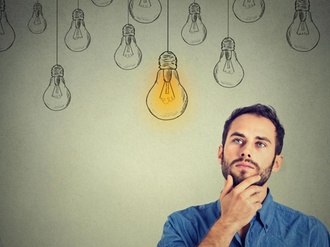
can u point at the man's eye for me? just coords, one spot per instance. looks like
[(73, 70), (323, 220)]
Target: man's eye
[(261, 145), (238, 141)]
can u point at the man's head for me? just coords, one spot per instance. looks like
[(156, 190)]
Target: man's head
[(252, 142)]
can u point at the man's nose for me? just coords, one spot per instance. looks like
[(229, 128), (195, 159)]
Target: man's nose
[(246, 155), (246, 151)]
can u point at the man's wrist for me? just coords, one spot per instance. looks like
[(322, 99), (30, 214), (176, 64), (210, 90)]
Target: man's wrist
[(220, 234)]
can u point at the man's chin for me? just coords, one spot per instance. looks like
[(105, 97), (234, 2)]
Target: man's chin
[(238, 179)]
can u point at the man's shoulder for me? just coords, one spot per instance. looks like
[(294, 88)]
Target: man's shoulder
[(203, 212), (292, 217), (187, 227)]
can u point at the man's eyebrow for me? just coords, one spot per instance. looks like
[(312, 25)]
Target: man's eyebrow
[(237, 134), (263, 139)]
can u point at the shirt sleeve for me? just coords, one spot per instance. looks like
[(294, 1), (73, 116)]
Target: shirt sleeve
[(176, 233), (319, 235)]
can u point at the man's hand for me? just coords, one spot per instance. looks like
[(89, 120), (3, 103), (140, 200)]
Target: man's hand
[(239, 204)]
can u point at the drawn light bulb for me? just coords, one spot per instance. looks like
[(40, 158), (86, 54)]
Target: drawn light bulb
[(7, 33), (228, 72), (302, 34), (194, 31), (145, 11), (77, 38), (128, 55), (37, 24), (57, 96), (249, 10), (167, 99), (102, 3)]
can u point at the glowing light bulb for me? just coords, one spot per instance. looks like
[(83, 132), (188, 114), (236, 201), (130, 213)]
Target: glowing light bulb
[(228, 72), (128, 55), (249, 10), (102, 3), (57, 96), (77, 38), (194, 31), (167, 99), (302, 34), (37, 24), (145, 11), (7, 33)]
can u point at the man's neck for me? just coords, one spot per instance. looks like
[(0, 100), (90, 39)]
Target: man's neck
[(242, 233)]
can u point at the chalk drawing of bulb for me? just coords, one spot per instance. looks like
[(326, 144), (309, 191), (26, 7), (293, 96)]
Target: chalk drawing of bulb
[(194, 31), (302, 34), (7, 33), (228, 72), (145, 11), (77, 38), (128, 55), (57, 96), (37, 24), (167, 99), (102, 3), (249, 10)]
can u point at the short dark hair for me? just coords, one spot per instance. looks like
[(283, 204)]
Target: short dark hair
[(262, 111)]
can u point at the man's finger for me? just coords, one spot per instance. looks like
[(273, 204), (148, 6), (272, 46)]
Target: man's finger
[(228, 186), (247, 183)]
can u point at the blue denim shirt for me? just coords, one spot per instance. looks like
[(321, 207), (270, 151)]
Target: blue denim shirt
[(273, 225)]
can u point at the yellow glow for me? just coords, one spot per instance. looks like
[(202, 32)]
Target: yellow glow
[(171, 105)]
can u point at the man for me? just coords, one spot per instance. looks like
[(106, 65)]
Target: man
[(245, 214)]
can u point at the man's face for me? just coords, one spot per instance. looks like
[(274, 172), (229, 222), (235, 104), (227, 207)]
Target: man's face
[(250, 149)]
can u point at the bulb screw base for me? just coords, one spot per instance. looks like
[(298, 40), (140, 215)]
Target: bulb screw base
[(167, 60), (37, 7), (302, 5), (128, 30), (2, 5), (194, 8), (228, 44), (77, 14), (57, 70)]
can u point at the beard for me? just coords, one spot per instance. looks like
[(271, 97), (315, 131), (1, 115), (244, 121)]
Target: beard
[(264, 174)]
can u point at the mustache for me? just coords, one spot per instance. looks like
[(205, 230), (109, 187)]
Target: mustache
[(246, 160)]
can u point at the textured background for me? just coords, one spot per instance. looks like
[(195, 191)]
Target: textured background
[(104, 171)]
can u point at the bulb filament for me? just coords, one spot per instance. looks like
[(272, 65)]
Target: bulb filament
[(249, 3), (145, 4), (77, 34), (128, 51), (167, 93), (194, 27), (302, 29), (57, 93), (37, 19), (228, 67)]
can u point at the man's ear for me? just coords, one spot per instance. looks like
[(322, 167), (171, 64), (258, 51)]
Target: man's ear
[(277, 163), (220, 154)]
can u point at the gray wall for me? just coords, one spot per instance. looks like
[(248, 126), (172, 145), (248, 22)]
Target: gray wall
[(104, 171)]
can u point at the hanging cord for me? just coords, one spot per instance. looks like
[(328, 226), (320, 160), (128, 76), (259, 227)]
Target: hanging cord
[(78, 4), (228, 18), (56, 47), (127, 11), (168, 25)]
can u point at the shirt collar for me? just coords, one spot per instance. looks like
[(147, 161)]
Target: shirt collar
[(266, 214)]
